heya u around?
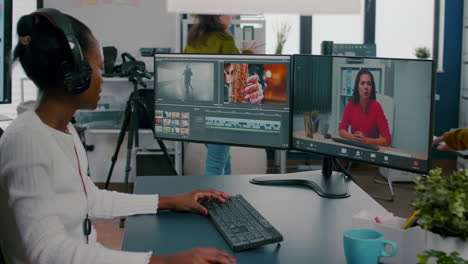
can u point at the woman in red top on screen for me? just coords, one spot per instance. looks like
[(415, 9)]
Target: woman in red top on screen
[(364, 114)]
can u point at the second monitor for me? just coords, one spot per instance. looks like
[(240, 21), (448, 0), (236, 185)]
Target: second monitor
[(224, 99), (374, 110)]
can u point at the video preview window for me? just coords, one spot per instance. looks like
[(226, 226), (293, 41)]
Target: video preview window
[(185, 81), (255, 83)]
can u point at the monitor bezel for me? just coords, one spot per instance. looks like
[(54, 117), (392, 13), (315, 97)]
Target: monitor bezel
[(431, 122), (194, 55), (7, 39)]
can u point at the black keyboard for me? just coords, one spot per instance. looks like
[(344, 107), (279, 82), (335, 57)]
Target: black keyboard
[(240, 224), (356, 144)]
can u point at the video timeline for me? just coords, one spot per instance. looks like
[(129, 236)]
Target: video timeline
[(243, 124)]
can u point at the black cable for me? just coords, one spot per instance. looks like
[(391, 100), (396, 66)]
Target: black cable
[(343, 170)]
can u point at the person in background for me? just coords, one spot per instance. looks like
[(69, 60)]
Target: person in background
[(46, 199), (453, 140), (188, 79), (364, 114), (211, 34)]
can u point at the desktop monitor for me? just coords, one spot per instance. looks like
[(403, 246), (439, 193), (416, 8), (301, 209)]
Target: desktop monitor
[(223, 99), (5, 51), (373, 110)]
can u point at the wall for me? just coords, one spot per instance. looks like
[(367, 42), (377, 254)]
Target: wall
[(403, 25), (448, 82), (125, 26)]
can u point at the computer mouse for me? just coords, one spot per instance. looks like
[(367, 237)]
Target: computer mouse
[(327, 136)]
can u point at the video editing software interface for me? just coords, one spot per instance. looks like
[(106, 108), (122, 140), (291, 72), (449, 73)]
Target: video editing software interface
[(225, 99), (384, 103)]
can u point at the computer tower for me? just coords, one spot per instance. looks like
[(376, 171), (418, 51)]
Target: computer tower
[(152, 162)]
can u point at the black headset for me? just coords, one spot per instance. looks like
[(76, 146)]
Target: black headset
[(77, 73)]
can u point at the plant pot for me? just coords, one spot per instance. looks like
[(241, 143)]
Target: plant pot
[(446, 244)]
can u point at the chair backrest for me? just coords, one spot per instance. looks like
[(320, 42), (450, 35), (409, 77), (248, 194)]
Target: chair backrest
[(388, 107)]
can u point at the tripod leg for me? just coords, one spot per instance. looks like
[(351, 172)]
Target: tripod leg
[(127, 165), (162, 146), (132, 138), (123, 129)]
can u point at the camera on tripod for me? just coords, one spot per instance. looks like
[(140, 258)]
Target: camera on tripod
[(130, 67), (138, 113), (133, 69)]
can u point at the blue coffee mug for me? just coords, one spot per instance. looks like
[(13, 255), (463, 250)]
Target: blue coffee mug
[(366, 246)]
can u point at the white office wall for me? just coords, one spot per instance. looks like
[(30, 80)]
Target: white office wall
[(129, 28), (337, 28), (273, 23), (403, 25), (267, 6)]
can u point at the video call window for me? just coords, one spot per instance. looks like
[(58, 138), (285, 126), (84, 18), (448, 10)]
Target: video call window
[(384, 103)]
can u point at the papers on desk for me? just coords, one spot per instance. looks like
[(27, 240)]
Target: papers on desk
[(410, 241)]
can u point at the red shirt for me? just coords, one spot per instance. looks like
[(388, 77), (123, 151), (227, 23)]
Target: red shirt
[(372, 123)]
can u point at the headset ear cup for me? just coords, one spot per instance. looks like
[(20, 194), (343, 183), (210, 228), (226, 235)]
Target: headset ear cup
[(67, 75), (86, 75), (87, 70)]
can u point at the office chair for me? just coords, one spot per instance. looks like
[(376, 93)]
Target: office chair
[(389, 108)]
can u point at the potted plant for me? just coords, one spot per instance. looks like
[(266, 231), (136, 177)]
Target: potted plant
[(422, 52), (281, 36), (442, 203), (441, 257), (314, 115), (311, 122)]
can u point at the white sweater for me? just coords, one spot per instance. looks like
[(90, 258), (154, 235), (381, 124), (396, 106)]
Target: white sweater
[(42, 201)]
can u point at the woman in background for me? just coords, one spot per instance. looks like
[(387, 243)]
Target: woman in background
[(46, 198), (364, 114), (211, 34)]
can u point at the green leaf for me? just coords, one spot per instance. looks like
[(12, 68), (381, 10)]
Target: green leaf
[(441, 257), (443, 203)]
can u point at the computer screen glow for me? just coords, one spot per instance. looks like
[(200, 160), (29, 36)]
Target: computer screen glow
[(385, 103), (224, 99)]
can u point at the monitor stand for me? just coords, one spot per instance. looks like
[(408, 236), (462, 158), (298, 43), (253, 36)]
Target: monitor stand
[(326, 183)]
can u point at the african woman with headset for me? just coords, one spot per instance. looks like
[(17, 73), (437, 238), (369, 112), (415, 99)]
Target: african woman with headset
[(46, 199)]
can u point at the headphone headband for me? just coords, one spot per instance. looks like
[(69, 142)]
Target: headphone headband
[(77, 73)]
